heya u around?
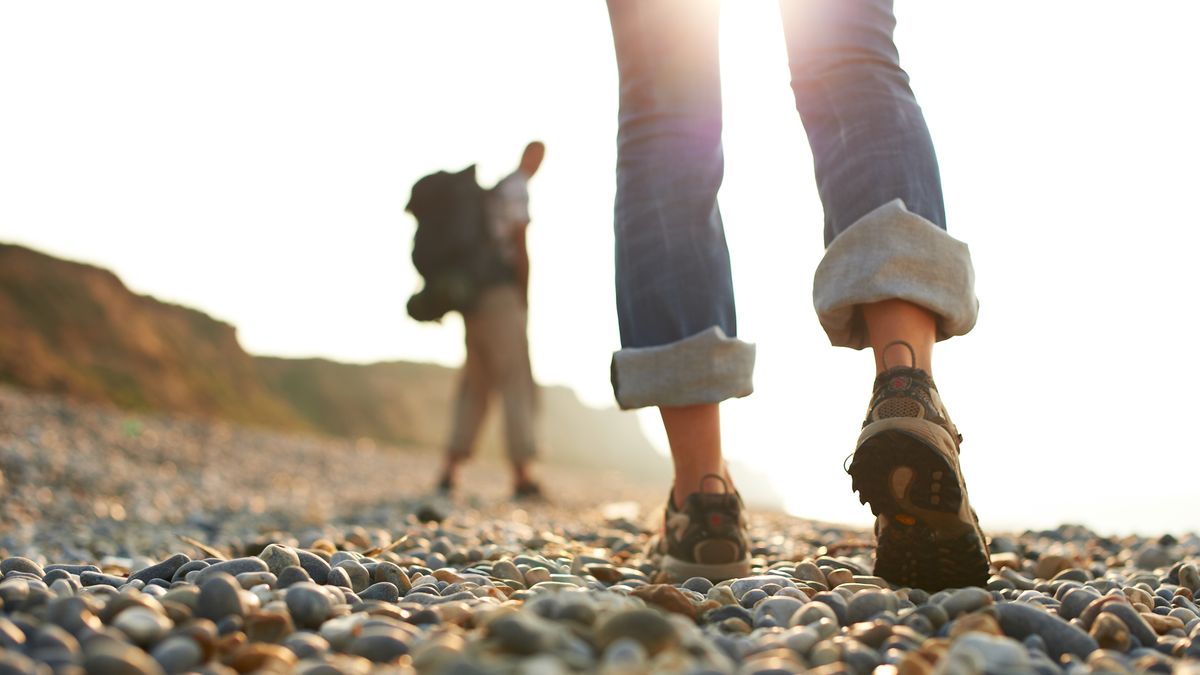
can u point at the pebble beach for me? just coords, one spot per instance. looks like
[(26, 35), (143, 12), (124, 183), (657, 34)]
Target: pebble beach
[(155, 544)]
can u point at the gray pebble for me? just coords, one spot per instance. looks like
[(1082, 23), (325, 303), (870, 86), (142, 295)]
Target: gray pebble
[(231, 567), (1075, 601), (187, 568), (19, 564), (836, 602), (144, 626), (359, 577), (315, 565), (1020, 620), (72, 569), (965, 600), (115, 659), (306, 645), (383, 590), (308, 604), (52, 637), (248, 580), (164, 570), (278, 557), (866, 604), (178, 654), (290, 576), (380, 645), (220, 596), (101, 579), (741, 586), (780, 609), (393, 574), (338, 576)]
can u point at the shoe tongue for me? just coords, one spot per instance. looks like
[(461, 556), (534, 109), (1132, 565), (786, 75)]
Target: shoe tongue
[(894, 372), (710, 500)]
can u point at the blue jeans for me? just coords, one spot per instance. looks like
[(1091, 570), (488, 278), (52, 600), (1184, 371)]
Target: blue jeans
[(875, 170)]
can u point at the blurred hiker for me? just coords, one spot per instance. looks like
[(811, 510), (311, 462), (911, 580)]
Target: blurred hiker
[(490, 287), (891, 279)]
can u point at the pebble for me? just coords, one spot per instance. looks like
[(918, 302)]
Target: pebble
[(178, 654), (1110, 632), (358, 575), (1133, 621), (316, 566), (667, 597), (646, 626), (779, 609), (867, 603), (164, 570), (143, 626), (279, 558), (382, 645), (966, 600), (19, 564), (116, 659), (1020, 620), (383, 590), (231, 568), (220, 596), (308, 604)]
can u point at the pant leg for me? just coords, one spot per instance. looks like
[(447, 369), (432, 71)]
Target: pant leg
[(500, 317), (474, 390), (520, 394), (674, 287), (876, 172)]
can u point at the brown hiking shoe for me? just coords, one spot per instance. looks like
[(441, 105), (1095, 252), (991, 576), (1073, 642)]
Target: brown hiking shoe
[(906, 465), (706, 537)]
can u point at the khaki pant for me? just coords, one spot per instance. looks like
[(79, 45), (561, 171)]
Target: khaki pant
[(497, 361)]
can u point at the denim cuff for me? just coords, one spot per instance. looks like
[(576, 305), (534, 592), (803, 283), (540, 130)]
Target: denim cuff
[(892, 253), (707, 367)]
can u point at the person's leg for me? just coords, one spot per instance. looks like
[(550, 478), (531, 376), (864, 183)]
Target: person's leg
[(894, 324), (675, 305), (877, 174), (694, 434), (891, 279), (470, 404), (513, 376)]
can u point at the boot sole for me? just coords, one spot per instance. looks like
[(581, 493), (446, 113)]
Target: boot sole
[(681, 570), (925, 544)]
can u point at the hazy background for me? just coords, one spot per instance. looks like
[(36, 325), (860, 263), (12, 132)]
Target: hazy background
[(253, 160)]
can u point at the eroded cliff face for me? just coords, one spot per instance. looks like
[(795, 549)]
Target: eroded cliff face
[(76, 330)]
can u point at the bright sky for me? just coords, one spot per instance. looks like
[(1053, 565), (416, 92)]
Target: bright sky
[(253, 160)]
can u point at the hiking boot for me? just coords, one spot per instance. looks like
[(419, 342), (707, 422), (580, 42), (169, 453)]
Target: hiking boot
[(528, 491), (906, 466), (706, 537)]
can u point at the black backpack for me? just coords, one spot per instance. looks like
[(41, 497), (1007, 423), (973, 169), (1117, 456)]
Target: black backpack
[(453, 249)]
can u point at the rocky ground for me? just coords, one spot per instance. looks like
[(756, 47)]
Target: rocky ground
[(150, 544)]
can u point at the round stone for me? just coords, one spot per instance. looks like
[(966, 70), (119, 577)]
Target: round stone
[(144, 626), (220, 596), (178, 654), (646, 626), (278, 558), (308, 604), (19, 564)]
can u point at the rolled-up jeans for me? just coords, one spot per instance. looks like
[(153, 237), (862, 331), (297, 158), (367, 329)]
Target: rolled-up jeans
[(876, 172)]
